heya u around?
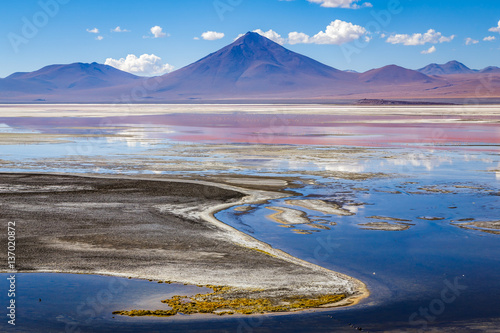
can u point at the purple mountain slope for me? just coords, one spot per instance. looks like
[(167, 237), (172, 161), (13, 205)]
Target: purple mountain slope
[(451, 67)]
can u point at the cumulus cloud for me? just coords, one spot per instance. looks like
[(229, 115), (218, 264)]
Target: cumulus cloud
[(495, 29), (470, 41), (118, 29), (298, 38), (338, 32), (431, 36), (432, 49), (489, 38), (145, 65), (157, 32), (93, 31), (99, 38), (352, 4), (212, 35)]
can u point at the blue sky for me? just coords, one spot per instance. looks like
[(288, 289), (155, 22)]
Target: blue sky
[(355, 38)]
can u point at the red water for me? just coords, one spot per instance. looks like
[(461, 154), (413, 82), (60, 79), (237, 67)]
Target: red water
[(295, 129), (333, 130)]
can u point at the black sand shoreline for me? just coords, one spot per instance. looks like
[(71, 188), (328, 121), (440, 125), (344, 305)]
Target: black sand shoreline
[(153, 229)]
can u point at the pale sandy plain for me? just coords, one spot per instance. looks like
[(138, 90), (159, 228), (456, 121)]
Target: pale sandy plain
[(122, 110)]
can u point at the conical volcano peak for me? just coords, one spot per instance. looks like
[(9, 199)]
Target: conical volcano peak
[(250, 35), (254, 38), (253, 64)]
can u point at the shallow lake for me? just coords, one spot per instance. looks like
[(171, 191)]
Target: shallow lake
[(439, 174)]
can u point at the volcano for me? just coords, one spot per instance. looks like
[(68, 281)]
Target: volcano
[(253, 65)]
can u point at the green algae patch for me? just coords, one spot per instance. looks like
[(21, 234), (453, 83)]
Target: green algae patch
[(220, 302)]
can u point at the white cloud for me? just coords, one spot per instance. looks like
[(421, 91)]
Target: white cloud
[(341, 3), (145, 65), (212, 35), (93, 31), (157, 32), (495, 29), (298, 38), (431, 36), (338, 32), (470, 41), (118, 29), (489, 38), (99, 38), (432, 49)]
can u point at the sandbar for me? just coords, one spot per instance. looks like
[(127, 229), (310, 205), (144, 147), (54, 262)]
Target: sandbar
[(324, 207)]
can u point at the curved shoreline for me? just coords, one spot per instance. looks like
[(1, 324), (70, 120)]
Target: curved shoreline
[(253, 243), (358, 289)]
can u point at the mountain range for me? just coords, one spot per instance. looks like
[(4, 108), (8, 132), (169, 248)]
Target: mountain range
[(455, 67), (252, 68)]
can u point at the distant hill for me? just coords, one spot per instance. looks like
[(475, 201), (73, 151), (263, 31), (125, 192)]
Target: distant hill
[(58, 78), (393, 74), (451, 67), (490, 69)]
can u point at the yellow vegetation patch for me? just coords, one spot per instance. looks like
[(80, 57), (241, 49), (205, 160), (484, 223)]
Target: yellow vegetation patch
[(261, 251), (140, 313), (214, 303)]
